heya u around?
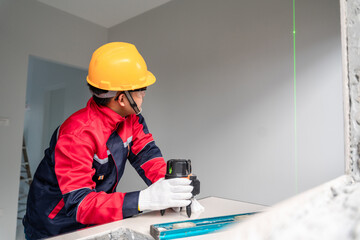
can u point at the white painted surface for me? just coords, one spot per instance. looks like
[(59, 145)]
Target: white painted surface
[(214, 207)]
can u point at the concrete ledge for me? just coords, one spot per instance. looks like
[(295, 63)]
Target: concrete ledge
[(329, 211)]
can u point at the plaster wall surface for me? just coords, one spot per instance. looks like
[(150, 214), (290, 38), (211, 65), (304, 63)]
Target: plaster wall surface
[(31, 28), (224, 52), (224, 95), (329, 211)]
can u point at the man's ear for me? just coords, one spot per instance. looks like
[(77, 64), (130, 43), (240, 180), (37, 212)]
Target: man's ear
[(121, 100)]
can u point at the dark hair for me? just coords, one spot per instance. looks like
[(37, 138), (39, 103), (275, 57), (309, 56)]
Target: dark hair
[(99, 101)]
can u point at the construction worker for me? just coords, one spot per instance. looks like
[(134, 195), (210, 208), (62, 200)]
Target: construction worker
[(74, 185)]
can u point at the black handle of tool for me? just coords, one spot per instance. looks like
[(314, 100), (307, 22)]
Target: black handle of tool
[(196, 190)]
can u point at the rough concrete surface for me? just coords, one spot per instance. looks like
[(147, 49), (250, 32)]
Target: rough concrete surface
[(330, 211), (351, 12)]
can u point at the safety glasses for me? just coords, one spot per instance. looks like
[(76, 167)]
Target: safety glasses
[(138, 92)]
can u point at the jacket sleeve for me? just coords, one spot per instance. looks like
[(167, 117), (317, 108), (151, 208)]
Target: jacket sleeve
[(144, 155), (74, 172)]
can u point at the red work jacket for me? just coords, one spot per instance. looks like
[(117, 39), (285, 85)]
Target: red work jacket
[(75, 183)]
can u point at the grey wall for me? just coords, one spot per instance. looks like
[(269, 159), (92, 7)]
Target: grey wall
[(30, 28), (320, 105), (224, 95)]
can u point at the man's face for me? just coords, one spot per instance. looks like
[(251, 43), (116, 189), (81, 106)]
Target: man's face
[(123, 106), (138, 97)]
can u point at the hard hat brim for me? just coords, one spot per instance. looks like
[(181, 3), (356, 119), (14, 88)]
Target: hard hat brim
[(150, 79)]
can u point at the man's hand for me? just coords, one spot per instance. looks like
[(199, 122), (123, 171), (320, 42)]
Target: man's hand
[(167, 193)]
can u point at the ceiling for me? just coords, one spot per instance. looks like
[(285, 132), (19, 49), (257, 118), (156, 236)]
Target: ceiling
[(106, 13)]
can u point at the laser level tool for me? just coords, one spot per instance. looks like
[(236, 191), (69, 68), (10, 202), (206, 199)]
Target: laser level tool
[(181, 168)]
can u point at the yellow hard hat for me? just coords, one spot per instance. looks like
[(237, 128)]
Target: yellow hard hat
[(118, 66)]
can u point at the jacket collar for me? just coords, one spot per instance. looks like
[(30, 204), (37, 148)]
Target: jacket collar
[(109, 117)]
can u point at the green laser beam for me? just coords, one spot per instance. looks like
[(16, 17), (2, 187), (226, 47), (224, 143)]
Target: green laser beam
[(295, 117)]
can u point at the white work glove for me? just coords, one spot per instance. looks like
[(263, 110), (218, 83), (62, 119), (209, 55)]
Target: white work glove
[(167, 193), (196, 207)]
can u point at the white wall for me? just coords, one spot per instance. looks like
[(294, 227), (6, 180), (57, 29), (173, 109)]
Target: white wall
[(28, 27), (224, 95)]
